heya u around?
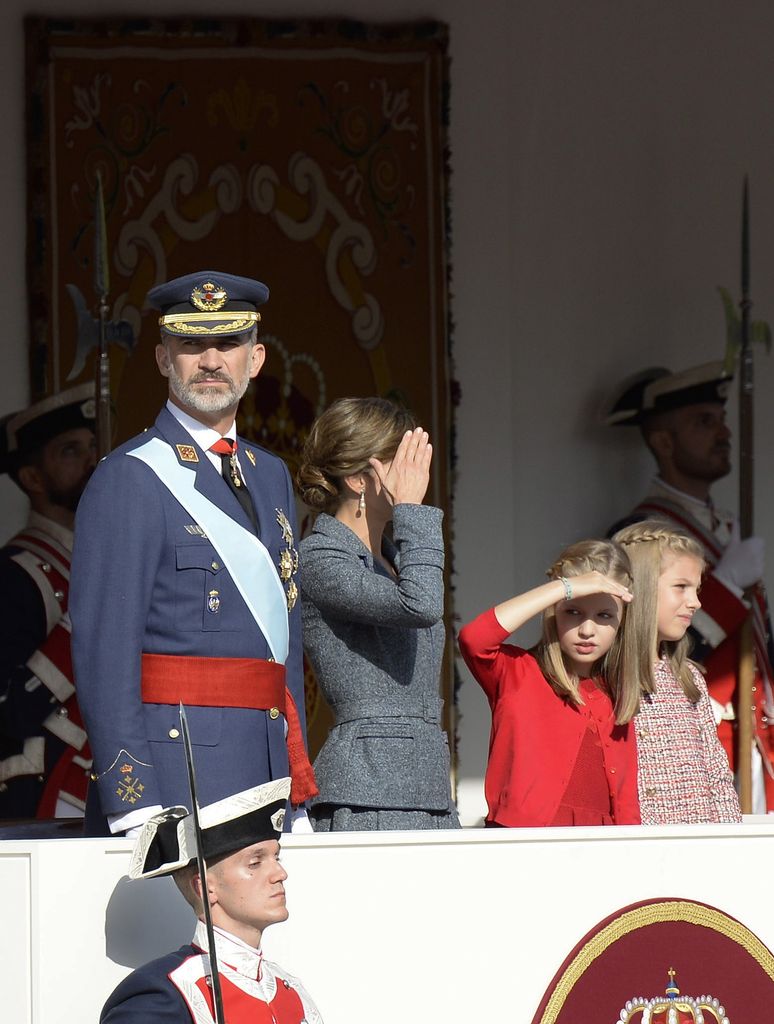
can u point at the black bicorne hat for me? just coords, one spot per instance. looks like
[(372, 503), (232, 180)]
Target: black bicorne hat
[(26, 431), (658, 390), (167, 843)]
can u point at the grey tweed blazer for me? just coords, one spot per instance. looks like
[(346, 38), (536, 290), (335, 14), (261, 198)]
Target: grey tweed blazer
[(376, 645)]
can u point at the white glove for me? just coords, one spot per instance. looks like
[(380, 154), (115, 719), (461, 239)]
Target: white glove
[(742, 562), (299, 821), (130, 824)]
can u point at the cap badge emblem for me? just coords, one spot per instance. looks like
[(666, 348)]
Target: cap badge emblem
[(209, 296)]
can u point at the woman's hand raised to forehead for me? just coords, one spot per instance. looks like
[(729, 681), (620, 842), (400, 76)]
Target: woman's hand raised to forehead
[(596, 583), (406, 479)]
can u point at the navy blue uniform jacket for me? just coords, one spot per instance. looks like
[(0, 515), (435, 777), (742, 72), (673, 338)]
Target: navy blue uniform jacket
[(144, 580), (147, 996)]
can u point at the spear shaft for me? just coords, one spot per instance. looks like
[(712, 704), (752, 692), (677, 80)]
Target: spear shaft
[(745, 681), (102, 287), (217, 997)]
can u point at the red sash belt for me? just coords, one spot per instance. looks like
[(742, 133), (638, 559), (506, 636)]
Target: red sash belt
[(232, 683), (213, 682)]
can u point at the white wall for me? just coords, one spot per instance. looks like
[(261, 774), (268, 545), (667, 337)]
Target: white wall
[(461, 926), (598, 151)]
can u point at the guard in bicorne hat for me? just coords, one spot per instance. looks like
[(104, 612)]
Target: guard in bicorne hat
[(49, 451), (682, 419), (246, 893)]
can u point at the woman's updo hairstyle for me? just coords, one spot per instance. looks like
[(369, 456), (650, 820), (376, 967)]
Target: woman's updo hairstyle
[(340, 443)]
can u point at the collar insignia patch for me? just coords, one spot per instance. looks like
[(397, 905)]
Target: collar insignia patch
[(186, 453)]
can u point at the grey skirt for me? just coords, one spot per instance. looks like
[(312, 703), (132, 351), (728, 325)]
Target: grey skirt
[(333, 818)]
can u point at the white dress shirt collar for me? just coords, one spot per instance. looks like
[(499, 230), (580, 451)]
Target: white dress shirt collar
[(203, 435), (246, 960)]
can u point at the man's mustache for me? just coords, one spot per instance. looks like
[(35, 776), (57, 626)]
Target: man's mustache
[(199, 378)]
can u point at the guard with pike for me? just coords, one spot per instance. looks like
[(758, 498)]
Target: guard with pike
[(682, 418), (49, 451), (184, 583)]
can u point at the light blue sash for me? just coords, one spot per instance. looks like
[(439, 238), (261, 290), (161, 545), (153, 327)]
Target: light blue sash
[(246, 559)]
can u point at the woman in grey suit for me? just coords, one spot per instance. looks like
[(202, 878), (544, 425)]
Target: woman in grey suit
[(373, 620)]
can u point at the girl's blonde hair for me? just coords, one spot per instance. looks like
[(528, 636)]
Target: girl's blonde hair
[(610, 559), (650, 545), (340, 443)]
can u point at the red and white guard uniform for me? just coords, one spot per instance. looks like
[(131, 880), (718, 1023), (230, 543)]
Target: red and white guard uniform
[(177, 988), (41, 730)]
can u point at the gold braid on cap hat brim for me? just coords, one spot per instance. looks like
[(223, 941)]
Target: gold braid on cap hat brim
[(228, 323)]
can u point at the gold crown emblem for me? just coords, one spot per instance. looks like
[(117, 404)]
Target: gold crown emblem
[(673, 1008), (209, 297)]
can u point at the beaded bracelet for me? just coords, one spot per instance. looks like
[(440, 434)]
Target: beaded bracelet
[(567, 588)]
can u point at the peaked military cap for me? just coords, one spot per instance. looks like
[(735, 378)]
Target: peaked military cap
[(167, 843), (208, 304), (26, 431), (658, 390)]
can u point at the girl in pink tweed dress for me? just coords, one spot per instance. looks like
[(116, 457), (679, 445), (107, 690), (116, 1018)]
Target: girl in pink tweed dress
[(683, 772)]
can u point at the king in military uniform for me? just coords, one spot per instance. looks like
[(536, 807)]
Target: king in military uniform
[(183, 584)]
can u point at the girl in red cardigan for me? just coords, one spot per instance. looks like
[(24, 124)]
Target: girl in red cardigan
[(557, 756)]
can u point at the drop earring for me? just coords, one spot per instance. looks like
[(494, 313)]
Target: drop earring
[(361, 501)]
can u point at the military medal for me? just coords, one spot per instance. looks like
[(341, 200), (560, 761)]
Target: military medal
[(286, 565), (284, 525), (288, 559), (233, 469)]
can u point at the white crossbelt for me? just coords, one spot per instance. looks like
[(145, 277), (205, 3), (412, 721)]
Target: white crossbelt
[(244, 556)]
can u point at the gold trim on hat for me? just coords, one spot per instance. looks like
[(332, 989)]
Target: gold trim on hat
[(228, 323)]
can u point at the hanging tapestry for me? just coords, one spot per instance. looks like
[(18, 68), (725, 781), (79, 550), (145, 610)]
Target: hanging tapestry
[(310, 155)]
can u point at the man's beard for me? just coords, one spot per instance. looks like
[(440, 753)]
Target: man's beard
[(69, 497), (710, 468), (208, 399)]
